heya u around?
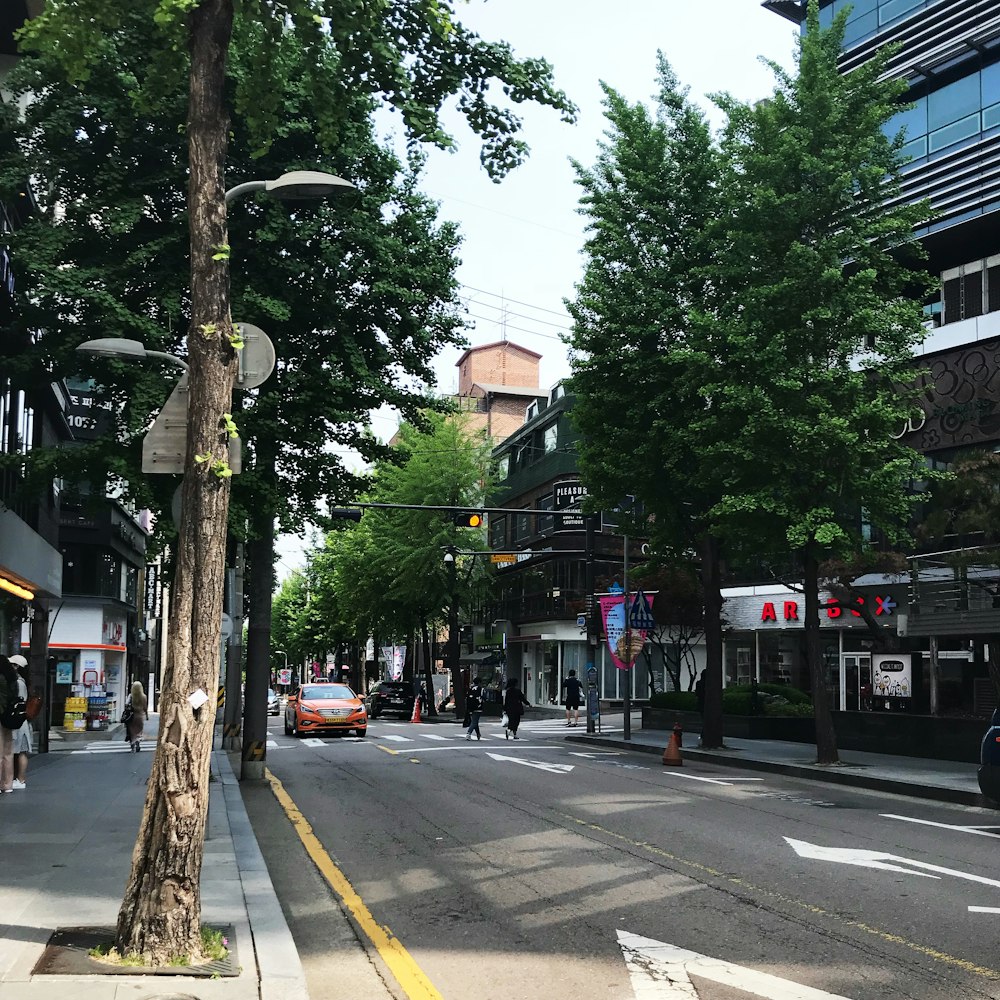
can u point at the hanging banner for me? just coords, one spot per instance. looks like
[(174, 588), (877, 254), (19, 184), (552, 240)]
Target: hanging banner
[(613, 614), (395, 657)]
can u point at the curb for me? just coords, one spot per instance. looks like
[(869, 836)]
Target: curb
[(278, 964), (814, 772)]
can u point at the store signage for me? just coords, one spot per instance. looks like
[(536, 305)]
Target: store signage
[(153, 595), (113, 633), (892, 675), (569, 495), (790, 609)]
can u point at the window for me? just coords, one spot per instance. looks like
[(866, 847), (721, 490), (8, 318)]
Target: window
[(964, 291), (498, 532), (503, 466), (522, 527), (545, 521), (531, 410), (25, 425), (550, 438)]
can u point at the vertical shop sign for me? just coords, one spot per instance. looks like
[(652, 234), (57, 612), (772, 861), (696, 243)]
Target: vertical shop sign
[(153, 597)]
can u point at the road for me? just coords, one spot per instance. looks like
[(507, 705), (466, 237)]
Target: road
[(546, 870)]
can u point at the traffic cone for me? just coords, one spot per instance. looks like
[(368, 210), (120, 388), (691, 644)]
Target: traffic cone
[(416, 711), (672, 754)]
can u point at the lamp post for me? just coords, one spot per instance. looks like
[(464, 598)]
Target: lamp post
[(457, 684), (296, 185)]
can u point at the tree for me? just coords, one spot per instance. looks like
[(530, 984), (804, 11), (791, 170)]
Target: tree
[(649, 200), (816, 299), (388, 573), (413, 55)]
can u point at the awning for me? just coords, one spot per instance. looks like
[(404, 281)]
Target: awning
[(491, 658)]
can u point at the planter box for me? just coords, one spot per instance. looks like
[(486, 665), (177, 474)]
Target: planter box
[(872, 732)]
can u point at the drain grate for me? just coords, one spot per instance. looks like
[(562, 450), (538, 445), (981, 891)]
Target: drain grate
[(67, 954)]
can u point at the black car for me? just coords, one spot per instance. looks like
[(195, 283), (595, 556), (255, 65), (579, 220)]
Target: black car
[(391, 696)]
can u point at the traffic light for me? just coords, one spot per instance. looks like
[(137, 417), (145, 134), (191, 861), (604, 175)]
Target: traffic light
[(469, 519), (345, 513)]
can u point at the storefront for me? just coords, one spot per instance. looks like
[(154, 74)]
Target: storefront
[(88, 645), (764, 641)]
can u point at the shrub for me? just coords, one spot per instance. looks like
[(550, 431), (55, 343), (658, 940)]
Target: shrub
[(795, 711), (679, 701)]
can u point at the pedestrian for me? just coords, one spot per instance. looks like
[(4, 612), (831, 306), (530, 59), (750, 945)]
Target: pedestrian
[(474, 707), (574, 690), (422, 698), (134, 726), (513, 699), (8, 693), (22, 736), (699, 694)]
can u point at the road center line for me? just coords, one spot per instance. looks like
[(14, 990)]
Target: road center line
[(974, 830), (408, 974)]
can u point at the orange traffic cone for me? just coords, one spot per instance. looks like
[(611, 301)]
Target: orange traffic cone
[(672, 754), (416, 711)]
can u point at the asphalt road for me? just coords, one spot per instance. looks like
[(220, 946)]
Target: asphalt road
[(543, 870)]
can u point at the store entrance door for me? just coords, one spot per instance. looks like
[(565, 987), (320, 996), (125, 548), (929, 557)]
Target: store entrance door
[(857, 681)]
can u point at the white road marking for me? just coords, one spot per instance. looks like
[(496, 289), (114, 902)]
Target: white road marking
[(434, 736), (313, 741), (661, 971), (975, 830), (597, 754), (540, 765), (474, 745), (397, 739), (877, 859), (984, 909), (698, 777), (99, 748)]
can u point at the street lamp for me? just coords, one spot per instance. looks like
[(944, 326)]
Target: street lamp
[(129, 350), (297, 185)]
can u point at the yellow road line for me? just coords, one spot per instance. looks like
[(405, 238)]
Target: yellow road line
[(933, 953), (408, 974), (387, 750)]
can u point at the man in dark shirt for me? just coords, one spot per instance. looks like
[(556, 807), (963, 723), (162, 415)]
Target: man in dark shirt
[(573, 689)]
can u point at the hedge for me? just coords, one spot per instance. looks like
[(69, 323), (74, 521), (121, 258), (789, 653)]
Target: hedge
[(772, 699)]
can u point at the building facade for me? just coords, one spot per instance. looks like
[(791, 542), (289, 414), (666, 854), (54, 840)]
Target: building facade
[(949, 56)]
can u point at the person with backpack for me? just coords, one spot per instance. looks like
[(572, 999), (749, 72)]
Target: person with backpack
[(8, 707), (22, 736)]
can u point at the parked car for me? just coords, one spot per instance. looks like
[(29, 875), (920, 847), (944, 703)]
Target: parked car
[(318, 708), (989, 770), (391, 696), (273, 704)]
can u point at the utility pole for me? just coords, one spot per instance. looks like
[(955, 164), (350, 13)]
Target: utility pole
[(593, 631)]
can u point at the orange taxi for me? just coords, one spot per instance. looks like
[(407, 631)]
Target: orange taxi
[(329, 708)]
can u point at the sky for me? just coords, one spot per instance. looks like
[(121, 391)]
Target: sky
[(521, 254)]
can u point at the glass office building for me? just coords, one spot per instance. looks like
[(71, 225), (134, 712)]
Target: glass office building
[(949, 56)]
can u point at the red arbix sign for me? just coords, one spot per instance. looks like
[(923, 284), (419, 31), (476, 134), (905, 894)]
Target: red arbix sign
[(790, 609)]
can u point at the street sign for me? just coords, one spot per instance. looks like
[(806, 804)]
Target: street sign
[(509, 558), (640, 615), (581, 621), (257, 358)]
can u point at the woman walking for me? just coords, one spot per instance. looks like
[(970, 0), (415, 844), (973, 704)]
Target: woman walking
[(8, 694), (134, 726), (513, 699), (22, 736)]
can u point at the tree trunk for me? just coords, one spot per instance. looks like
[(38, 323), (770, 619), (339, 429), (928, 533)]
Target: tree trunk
[(826, 738), (711, 578), (160, 916), (260, 564)]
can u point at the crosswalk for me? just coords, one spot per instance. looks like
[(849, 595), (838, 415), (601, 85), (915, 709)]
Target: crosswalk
[(114, 747)]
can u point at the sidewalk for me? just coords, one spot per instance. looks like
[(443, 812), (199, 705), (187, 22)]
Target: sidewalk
[(938, 780), (68, 840)]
